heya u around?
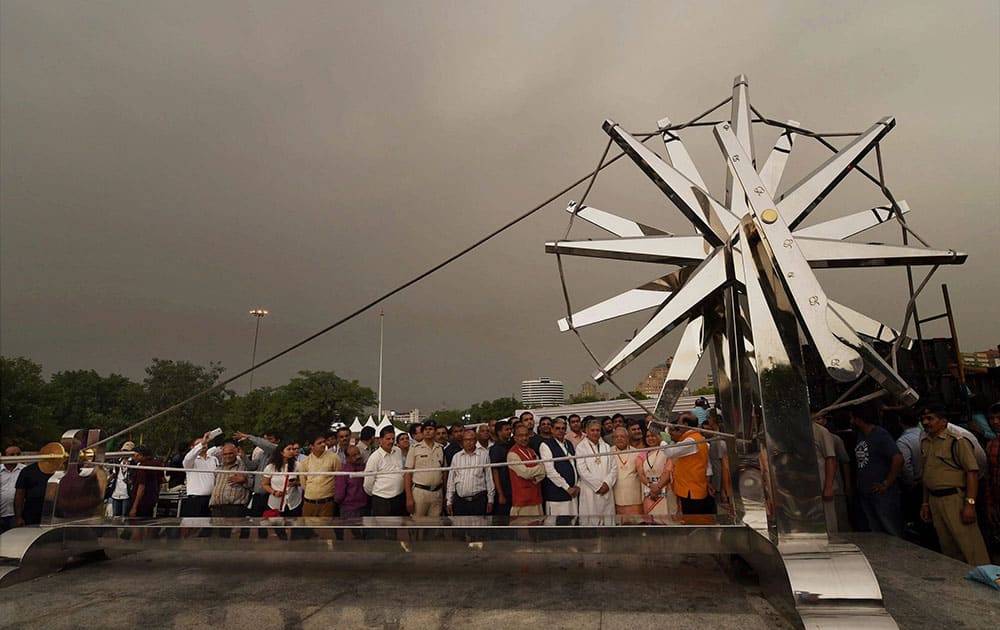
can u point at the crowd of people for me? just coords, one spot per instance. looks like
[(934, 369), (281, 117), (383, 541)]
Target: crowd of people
[(931, 480)]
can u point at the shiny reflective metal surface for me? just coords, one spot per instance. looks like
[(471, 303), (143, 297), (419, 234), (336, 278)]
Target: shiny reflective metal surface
[(613, 223), (647, 296), (666, 250), (706, 278), (866, 326), (686, 359), (852, 224), (774, 167), (677, 188), (678, 155), (825, 254), (796, 204), (746, 299), (788, 461), (76, 490), (801, 288)]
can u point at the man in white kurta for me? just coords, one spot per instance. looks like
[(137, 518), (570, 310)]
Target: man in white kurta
[(598, 472)]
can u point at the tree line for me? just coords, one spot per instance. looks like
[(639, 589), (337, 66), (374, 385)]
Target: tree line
[(35, 410)]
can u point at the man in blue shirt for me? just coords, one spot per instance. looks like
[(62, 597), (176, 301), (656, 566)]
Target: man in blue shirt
[(879, 466)]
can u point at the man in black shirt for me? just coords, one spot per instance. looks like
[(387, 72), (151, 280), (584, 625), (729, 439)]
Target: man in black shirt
[(501, 475), (455, 443), (29, 495)]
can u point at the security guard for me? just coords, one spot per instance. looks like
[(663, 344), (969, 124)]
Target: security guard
[(423, 489), (950, 475)]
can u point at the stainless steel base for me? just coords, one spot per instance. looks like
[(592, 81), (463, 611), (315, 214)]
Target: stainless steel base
[(823, 584)]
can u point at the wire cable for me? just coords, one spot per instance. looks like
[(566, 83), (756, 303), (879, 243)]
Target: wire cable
[(364, 308)]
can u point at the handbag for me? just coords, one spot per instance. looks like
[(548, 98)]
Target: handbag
[(273, 513)]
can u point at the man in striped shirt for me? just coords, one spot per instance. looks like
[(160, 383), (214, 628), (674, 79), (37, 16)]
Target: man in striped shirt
[(470, 481)]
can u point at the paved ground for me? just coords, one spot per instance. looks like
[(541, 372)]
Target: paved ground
[(266, 590), (250, 589), (923, 589)]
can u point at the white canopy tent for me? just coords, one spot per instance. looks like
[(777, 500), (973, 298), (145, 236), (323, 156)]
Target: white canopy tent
[(384, 423)]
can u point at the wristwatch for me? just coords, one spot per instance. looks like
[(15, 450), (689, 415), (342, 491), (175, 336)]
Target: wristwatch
[(970, 500)]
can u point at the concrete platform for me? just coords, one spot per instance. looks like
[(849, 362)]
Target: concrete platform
[(924, 589), (237, 584), (249, 589)]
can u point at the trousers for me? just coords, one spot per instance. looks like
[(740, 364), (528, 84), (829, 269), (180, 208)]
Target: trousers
[(958, 540)]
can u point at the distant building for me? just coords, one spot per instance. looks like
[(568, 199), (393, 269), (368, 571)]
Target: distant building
[(982, 359), (652, 385), (589, 390), (541, 392), (609, 408)]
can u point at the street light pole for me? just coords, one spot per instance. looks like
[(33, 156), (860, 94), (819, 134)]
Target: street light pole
[(260, 314), (381, 329)]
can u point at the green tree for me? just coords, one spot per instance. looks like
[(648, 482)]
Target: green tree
[(169, 382), (308, 404), (447, 417), (251, 413), (580, 398), (24, 417), (493, 409), (83, 399), (704, 391)]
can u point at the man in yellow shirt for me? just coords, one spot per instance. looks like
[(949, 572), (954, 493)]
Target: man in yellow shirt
[(317, 490)]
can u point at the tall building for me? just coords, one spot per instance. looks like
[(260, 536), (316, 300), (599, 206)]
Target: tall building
[(542, 391), (589, 390), (652, 385)]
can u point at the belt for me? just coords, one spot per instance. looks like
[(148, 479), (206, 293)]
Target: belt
[(475, 497), (318, 501), (945, 492), (427, 488)]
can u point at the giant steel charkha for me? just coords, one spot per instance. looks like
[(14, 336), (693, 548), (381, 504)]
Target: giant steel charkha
[(743, 289), (745, 295)]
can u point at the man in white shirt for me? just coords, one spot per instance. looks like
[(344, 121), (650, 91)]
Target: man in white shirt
[(199, 484), (470, 490), (598, 472), (386, 486), (483, 439), (8, 481)]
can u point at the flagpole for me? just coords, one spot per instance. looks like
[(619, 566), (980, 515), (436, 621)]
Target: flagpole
[(381, 329)]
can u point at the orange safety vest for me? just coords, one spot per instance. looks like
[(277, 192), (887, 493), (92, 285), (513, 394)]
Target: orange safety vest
[(691, 471)]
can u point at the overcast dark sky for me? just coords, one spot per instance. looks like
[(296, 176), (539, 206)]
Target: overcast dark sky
[(166, 166)]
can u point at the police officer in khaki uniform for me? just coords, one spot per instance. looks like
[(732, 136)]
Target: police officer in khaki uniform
[(950, 475), (423, 489)]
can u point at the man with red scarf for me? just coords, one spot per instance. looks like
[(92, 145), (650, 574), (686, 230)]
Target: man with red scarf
[(525, 479)]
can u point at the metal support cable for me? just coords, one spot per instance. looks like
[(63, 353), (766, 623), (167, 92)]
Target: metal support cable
[(364, 308)]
